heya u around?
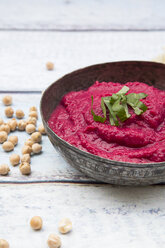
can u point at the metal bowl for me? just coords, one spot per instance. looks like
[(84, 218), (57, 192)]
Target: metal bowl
[(102, 169)]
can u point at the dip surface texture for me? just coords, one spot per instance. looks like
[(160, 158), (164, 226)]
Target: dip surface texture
[(140, 139)]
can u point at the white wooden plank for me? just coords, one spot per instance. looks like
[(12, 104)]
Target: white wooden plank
[(71, 14), (102, 216), (23, 55), (48, 166)]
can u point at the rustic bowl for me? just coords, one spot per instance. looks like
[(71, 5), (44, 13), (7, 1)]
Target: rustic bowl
[(102, 169)]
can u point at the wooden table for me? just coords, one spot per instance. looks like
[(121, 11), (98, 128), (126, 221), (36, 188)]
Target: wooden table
[(74, 34)]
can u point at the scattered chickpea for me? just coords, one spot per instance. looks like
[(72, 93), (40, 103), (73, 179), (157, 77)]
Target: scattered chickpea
[(49, 66), (31, 120), (1, 121), (19, 114), (14, 159), (26, 149), (25, 158), (41, 129), (33, 108), (8, 146), (31, 145), (7, 100), (3, 136), (21, 125), (4, 169), (30, 128), (5, 127), (54, 241), (36, 223), (36, 137), (36, 148), (9, 112), (65, 226), (33, 114), (29, 142), (12, 124), (25, 168), (4, 243), (13, 139)]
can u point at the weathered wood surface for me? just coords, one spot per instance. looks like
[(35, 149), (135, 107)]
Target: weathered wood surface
[(48, 166), (23, 55), (82, 15), (102, 216)]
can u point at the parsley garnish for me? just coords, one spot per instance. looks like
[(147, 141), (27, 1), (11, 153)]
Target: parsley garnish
[(117, 104)]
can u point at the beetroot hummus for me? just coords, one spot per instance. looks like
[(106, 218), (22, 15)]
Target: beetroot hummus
[(140, 139)]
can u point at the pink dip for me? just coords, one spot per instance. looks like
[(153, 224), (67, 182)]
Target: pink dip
[(140, 139)]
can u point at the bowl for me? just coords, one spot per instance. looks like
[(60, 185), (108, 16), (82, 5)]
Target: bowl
[(102, 169)]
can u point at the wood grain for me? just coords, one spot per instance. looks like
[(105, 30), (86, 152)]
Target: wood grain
[(82, 15), (24, 54), (102, 216), (48, 166)]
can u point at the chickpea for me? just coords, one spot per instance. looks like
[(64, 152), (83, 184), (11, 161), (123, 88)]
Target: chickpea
[(65, 226), (3, 136), (7, 100), (14, 159), (36, 148), (33, 108), (4, 243), (5, 127), (25, 158), (31, 120), (26, 150), (4, 169), (25, 168), (13, 139), (33, 114), (30, 128), (19, 114), (29, 142), (9, 112), (49, 66), (21, 125), (1, 121), (36, 223), (36, 137), (41, 129), (54, 241), (8, 146), (12, 124)]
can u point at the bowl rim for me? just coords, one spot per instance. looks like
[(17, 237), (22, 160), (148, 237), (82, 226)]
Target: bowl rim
[(88, 154)]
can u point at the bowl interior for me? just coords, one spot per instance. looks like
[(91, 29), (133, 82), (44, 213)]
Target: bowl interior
[(103, 169), (149, 72)]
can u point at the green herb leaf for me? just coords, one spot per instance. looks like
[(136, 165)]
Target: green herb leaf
[(138, 106), (141, 95), (117, 105), (113, 98), (112, 116), (126, 110), (97, 117), (119, 110), (123, 91), (142, 106)]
